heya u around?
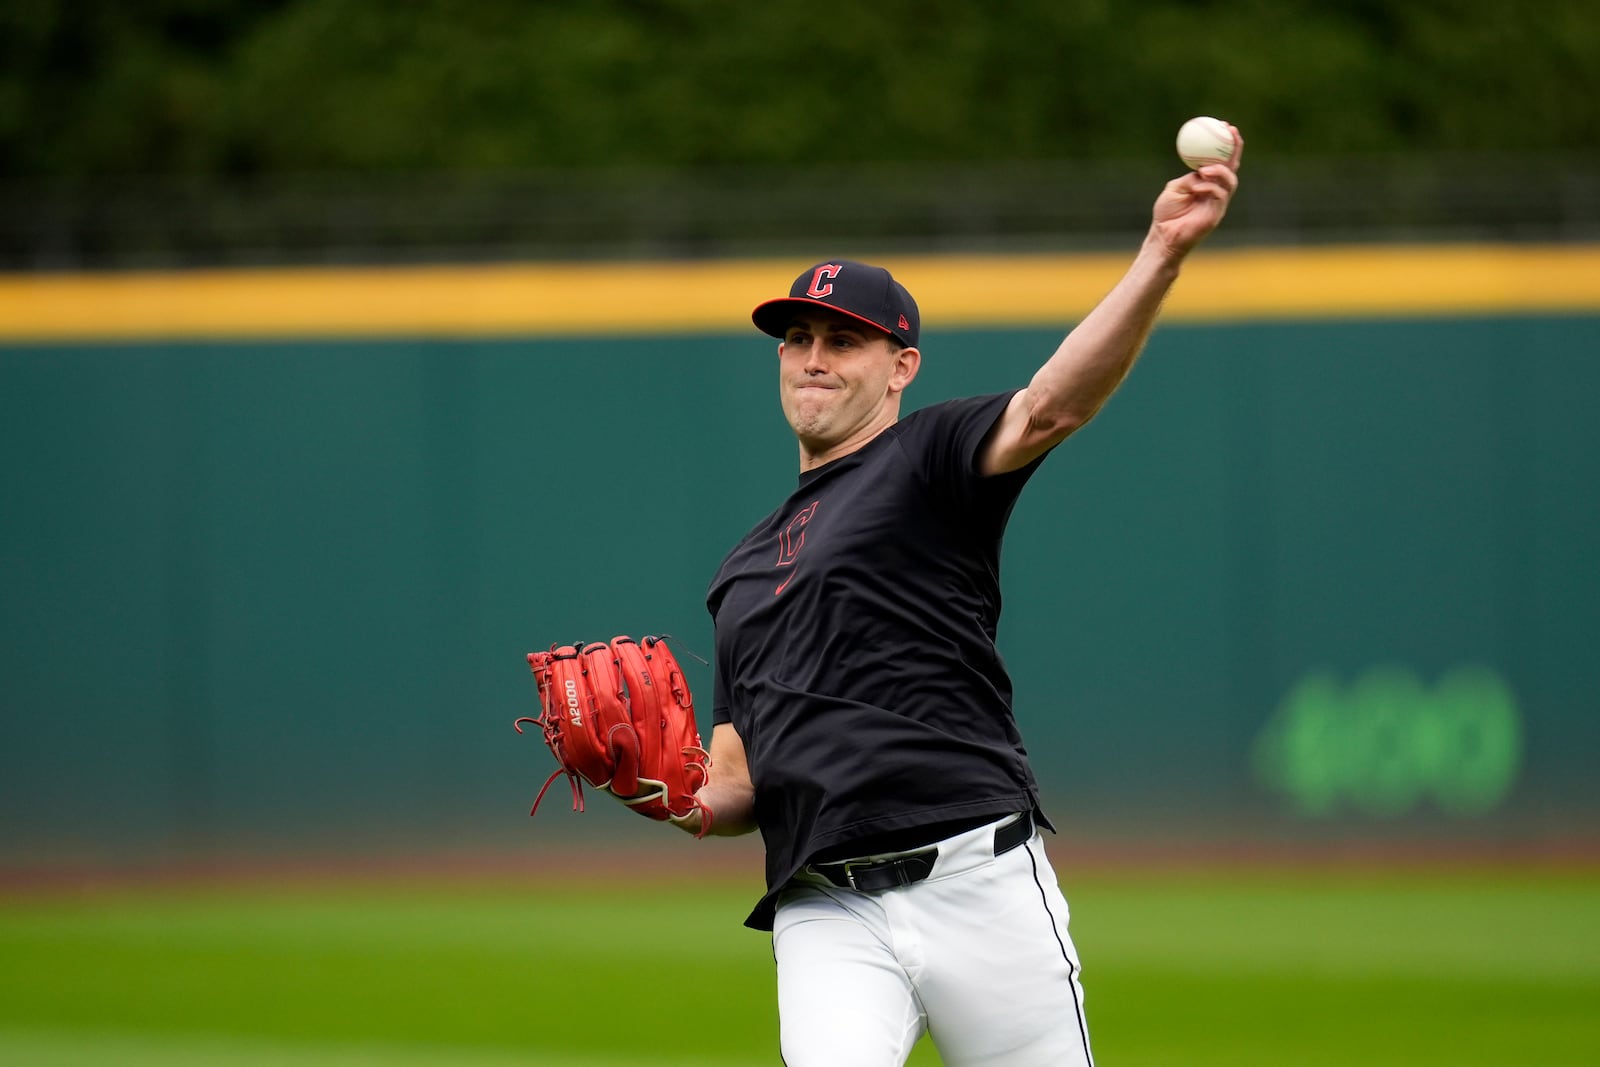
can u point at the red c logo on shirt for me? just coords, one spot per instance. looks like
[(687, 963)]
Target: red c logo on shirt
[(822, 280), (791, 540)]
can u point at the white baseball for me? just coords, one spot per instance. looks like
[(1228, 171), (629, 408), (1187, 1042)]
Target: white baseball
[(1205, 140)]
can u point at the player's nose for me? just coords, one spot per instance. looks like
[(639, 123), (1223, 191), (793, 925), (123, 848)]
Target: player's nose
[(809, 357)]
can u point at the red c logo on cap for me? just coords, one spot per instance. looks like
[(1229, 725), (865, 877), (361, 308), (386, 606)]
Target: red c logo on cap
[(822, 280)]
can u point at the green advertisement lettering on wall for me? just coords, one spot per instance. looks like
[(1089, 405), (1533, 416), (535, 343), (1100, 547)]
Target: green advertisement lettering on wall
[(1386, 743)]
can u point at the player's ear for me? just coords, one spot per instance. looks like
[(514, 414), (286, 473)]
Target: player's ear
[(907, 362)]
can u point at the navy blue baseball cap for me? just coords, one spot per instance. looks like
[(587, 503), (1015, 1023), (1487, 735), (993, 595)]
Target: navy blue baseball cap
[(861, 291)]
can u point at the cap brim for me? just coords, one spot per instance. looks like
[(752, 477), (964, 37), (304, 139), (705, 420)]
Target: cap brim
[(776, 316)]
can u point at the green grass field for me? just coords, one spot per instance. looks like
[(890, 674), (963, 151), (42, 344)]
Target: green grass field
[(1202, 968)]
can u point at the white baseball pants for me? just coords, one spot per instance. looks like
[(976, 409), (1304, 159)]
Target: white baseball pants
[(977, 955)]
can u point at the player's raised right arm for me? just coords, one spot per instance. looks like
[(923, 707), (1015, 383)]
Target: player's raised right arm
[(1092, 361), (729, 793)]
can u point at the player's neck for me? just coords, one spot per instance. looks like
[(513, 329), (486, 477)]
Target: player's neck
[(825, 453)]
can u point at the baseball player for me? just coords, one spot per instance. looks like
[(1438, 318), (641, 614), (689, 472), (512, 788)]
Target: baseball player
[(862, 716)]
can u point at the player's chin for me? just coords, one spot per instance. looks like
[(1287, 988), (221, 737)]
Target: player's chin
[(809, 410), (807, 425)]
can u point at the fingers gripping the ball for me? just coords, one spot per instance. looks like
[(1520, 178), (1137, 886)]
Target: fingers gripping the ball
[(1192, 206)]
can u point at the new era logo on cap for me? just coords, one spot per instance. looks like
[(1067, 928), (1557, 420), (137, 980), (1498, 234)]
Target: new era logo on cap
[(861, 291)]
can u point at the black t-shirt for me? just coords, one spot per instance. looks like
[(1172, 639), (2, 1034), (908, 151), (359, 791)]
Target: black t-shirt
[(855, 644)]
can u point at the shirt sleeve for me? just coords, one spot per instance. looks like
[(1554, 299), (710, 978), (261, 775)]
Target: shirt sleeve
[(721, 701), (945, 442)]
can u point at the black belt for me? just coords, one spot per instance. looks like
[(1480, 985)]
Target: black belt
[(874, 876)]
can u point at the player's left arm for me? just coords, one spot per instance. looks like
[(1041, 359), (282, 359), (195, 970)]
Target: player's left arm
[(1096, 356)]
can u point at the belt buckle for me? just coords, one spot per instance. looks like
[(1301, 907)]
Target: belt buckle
[(850, 874)]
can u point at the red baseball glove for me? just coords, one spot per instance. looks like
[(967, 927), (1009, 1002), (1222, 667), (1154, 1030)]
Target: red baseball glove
[(620, 717)]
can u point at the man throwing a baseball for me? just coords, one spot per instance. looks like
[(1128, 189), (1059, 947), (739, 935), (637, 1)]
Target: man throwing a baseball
[(862, 715)]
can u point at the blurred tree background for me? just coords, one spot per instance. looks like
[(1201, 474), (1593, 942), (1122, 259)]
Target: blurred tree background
[(202, 130)]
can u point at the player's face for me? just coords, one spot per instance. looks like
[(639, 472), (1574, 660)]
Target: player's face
[(840, 381)]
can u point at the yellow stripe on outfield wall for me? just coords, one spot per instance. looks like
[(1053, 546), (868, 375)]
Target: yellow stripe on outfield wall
[(716, 296)]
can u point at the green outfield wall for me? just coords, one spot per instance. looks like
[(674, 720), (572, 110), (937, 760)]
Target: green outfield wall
[(1317, 578)]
